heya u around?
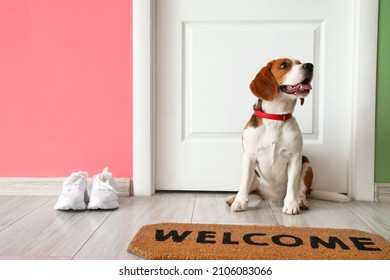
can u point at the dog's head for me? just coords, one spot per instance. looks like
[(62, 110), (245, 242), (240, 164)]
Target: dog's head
[(283, 76)]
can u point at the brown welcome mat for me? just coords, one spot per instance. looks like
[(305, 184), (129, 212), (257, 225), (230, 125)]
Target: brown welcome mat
[(169, 241)]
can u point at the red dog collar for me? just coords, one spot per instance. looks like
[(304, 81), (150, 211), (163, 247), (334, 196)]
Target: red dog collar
[(283, 117)]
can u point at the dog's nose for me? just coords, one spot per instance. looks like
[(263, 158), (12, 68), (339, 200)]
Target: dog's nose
[(308, 66)]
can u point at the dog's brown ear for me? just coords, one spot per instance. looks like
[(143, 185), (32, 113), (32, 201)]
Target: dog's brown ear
[(302, 101), (264, 86)]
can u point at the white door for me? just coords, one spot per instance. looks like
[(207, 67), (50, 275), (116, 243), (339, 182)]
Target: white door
[(208, 52)]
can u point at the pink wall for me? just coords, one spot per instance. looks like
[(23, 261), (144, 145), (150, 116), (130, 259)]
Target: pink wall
[(65, 87)]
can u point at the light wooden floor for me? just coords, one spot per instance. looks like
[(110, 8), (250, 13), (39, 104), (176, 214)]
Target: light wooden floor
[(31, 229)]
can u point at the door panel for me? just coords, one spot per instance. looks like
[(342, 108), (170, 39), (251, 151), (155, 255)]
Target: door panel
[(208, 52)]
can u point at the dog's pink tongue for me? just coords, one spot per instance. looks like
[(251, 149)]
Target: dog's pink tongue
[(304, 86)]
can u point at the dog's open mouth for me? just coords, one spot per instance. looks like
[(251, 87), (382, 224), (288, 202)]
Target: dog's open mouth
[(301, 88)]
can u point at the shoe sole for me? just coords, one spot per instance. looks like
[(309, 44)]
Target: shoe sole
[(100, 205), (70, 206)]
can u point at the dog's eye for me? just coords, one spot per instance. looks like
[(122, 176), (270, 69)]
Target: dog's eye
[(284, 65)]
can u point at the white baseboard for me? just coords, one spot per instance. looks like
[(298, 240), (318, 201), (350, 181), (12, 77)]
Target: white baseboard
[(382, 192), (51, 186)]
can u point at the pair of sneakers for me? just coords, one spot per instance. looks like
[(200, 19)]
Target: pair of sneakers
[(74, 195)]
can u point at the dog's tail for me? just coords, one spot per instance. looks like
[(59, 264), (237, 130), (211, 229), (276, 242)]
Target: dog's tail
[(329, 196)]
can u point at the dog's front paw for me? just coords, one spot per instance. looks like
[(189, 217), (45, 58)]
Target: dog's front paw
[(240, 204), (291, 208), (229, 201), (303, 204)]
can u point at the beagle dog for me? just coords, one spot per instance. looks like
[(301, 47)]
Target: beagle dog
[(273, 166)]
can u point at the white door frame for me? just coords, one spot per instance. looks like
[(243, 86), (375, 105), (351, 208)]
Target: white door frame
[(362, 159)]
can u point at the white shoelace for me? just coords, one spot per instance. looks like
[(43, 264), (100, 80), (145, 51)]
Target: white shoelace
[(108, 186), (103, 178)]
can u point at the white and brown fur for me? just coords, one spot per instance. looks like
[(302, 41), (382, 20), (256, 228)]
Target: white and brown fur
[(273, 166)]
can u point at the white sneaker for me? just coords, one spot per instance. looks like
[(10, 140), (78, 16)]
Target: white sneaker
[(74, 193), (103, 194)]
